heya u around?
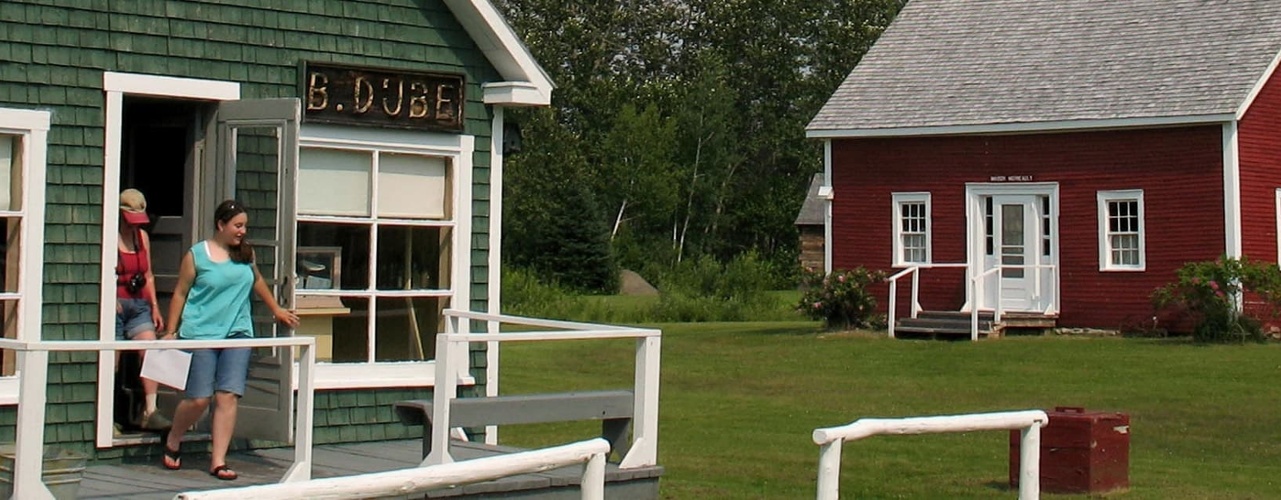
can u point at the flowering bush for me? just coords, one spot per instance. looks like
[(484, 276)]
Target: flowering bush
[(840, 299), (1211, 293)]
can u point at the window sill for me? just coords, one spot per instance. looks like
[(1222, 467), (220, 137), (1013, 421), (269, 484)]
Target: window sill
[(8, 391), (376, 375), (1123, 269)]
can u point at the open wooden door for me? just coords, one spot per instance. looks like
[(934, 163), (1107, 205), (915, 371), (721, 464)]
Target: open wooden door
[(255, 159)]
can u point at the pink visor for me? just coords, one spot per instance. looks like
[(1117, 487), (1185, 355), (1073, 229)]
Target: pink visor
[(135, 218)]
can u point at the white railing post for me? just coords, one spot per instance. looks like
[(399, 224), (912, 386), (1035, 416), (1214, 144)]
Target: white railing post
[(829, 471), (1030, 463), (916, 291), (976, 284), (593, 483), (893, 306), (303, 432), (442, 393), (644, 450), (33, 367)]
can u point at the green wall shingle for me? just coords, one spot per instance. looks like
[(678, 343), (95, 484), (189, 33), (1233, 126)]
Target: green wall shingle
[(52, 56)]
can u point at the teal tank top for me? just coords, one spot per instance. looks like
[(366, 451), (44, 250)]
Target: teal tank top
[(218, 301)]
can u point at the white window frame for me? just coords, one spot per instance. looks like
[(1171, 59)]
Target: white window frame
[(458, 151), (901, 199), (1105, 242), (32, 130)]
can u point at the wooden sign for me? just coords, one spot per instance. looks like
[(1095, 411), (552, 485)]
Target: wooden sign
[(382, 97)]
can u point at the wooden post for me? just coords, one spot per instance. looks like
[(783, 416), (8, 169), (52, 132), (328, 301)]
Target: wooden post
[(829, 471), (28, 457)]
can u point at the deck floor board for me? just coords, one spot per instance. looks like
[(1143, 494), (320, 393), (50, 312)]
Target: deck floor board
[(151, 481)]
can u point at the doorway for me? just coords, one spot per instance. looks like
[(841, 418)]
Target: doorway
[(1014, 233), (161, 144)]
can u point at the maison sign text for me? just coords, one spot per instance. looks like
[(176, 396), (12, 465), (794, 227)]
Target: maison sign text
[(380, 97), (1011, 178)]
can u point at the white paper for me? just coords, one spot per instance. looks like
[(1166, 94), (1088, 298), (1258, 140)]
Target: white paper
[(168, 367)]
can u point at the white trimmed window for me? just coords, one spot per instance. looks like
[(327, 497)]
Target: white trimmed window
[(911, 229), (1121, 237), (375, 236), (23, 143)]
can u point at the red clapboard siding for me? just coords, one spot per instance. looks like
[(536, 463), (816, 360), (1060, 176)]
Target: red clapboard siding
[(1179, 170), (1259, 146)]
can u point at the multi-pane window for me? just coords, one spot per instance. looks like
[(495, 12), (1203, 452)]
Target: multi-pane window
[(1045, 226), (912, 228), (1121, 239), (374, 241), (23, 138)]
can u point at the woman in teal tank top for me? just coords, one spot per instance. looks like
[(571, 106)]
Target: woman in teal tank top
[(211, 302)]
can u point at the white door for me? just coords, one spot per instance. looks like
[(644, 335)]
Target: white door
[(1016, 238), (255, 159)]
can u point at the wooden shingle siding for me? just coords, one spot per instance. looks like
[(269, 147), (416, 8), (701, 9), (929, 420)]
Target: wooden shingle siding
[(52, 56), (1178, 170)]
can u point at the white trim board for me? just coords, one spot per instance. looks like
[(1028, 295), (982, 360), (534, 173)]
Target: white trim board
[(1023, 128), (1232, 246), (117, 85), (528, 83)]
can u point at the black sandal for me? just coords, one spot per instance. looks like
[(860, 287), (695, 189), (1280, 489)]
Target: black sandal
[(224, 473), (173, 458)]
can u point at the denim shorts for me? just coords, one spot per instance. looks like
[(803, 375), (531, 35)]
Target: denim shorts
[(218, 370), (134, 318)]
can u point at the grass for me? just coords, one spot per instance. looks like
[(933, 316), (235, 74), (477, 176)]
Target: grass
[(740, 400)]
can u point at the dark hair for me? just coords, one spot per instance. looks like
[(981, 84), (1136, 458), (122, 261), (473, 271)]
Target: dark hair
[(227, 210)]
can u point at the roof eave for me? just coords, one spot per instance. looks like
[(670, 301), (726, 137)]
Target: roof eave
[(525, 82), (1022, 128)]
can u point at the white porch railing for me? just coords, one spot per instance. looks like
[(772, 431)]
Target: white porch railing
[(451, 349), (33, 367), (977, 291), (1030, 421), (416, 480), (916, 290)]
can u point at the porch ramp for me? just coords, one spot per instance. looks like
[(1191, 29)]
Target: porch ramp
[(944, 325), (955, 325)]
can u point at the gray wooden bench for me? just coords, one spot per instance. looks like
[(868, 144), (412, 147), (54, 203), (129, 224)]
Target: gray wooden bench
[(612, 408)]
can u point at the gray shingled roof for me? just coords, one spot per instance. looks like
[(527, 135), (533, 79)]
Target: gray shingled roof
[(985, 62), (812, 212)]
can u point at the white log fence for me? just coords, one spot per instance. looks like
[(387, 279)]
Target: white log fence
[(420, 479), (451, 352), (33, 368), (1030, 421)]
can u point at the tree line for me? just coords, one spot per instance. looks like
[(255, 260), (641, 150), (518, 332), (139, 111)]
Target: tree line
[(676, 130)]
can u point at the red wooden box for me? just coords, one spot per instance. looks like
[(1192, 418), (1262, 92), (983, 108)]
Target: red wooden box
[(1081, 452)]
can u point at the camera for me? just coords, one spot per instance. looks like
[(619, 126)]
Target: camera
[(136, 283)]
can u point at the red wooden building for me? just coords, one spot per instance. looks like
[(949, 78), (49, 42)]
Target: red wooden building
[(1056, 158)]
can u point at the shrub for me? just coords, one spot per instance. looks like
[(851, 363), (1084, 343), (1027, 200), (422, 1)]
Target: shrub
[(1211, 295), (841, 299), (703, 289)]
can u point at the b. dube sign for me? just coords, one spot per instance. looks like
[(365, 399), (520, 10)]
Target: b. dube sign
[(382, 97)]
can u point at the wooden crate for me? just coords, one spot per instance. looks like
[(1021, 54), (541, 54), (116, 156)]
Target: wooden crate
[(1081, 452)]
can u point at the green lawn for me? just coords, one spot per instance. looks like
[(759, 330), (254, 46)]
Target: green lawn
[(740, 400)]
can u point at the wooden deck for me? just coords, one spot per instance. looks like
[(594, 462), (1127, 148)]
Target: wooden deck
[(148, 481)]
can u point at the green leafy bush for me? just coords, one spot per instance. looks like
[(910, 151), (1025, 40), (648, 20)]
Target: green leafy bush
[(840, 299), (703, 289), (1211, 295)]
